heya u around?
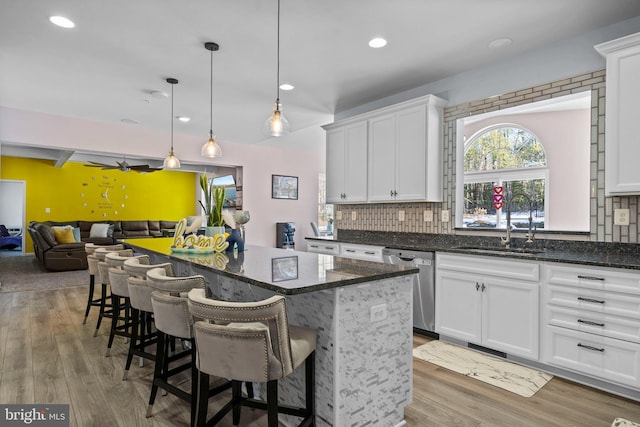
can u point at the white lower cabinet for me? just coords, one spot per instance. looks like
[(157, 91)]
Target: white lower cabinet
[(591, 322), (346, 250), (489, 301)]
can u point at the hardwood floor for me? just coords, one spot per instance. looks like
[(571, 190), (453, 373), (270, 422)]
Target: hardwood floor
[(48, 356)]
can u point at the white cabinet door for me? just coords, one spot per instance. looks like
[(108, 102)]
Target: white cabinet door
[(356, 167), (458, 306), (622, 128), (382, 158), (510, 316), (410, 154), (347, 163), (336, 165)]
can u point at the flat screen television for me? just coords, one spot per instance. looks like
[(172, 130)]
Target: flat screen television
[(229, 184)]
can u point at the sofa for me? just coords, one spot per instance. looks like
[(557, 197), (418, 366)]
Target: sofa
[(57, 256)]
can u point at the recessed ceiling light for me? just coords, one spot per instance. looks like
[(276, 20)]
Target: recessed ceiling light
[(61, 21), (286, 86), (158, 94), (499, 43), (130, 121), (377, 42), (183, 119)]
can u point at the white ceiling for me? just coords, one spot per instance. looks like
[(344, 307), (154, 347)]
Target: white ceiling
[(120, 50)]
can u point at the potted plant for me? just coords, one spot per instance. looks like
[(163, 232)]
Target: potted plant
[(212, 206)]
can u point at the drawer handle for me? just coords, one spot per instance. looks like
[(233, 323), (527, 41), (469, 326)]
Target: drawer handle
[(589, 322), (370, 253), (580, 276), (314, 246), (588, 347), (349, 250), (329, 247), (590, 300)]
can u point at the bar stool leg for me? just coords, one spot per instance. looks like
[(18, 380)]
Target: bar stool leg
[(103, 305), (135, 325), (90, 301), (272, 403)]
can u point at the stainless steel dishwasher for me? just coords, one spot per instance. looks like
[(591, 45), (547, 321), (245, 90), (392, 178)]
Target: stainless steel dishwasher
[(424, 301)]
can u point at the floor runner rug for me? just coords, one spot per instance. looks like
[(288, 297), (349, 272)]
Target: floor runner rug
[(489, 369)]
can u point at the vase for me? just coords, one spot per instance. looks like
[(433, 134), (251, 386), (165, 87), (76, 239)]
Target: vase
[(212, 231), (235, 241)]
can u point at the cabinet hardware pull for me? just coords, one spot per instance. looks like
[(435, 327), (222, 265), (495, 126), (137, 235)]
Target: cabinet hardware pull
[(588, 347), (329, 247), (483, 287), (590, 300), (589, 322), (349, 250), (395, 193), (369, 253), (477, 286), (314, 246), (580, 276), (390, 193)]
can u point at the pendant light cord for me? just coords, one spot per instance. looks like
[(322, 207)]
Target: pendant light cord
[(171, 118), (211, 99), (278, 62)]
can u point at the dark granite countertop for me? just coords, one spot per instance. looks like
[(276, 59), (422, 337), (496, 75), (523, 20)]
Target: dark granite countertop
[(284, 271), (618, 255)]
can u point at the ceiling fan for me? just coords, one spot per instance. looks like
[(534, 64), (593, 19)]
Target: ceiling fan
[(123, 166)]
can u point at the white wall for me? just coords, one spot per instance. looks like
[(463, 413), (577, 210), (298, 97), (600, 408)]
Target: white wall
[(565, 136), (259, 162)]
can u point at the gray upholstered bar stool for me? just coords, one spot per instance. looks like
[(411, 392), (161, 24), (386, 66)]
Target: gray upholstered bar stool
[(173, 320), (251, 341), (119, 284), (92, 262), (106, 303), (142, 335)]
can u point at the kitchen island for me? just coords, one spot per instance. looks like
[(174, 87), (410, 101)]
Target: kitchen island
[(360, 310)]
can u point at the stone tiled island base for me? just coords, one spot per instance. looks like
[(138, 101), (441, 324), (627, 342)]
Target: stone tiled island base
[(363, 366)]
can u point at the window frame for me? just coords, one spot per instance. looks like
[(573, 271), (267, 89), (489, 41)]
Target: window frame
[(496, 175)]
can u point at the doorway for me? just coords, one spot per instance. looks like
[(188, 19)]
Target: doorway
[(13, 195)]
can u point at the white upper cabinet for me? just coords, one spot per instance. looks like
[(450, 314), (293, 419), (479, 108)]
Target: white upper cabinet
[(402, 159), (347, 163), (622, 127)]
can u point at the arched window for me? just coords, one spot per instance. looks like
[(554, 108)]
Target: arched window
[(497, 160)]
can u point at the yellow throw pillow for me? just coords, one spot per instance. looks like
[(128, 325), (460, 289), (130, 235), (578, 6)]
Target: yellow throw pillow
[(64, 235)]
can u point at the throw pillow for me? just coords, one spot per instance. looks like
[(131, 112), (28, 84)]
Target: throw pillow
[(99, 230), (76, 234), (64, 235)]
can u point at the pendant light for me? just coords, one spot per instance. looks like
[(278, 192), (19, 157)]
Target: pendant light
[(211, 148), (276, 124), (171, 161)]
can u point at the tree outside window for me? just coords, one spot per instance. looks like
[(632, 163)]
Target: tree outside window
[(510, 157)]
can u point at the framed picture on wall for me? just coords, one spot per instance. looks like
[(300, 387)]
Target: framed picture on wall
[(284, 187)]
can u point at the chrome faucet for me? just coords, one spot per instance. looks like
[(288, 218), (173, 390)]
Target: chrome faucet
[(532, 230)]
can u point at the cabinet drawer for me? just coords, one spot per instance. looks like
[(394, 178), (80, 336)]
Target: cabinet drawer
[(492, 266), (593, 278), (596, 323), (593, 355), (592, 300), (364, 252), (323, 248)]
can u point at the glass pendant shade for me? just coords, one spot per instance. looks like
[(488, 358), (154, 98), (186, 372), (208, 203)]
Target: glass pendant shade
[(276, 124), (211, 148), (171, 161)]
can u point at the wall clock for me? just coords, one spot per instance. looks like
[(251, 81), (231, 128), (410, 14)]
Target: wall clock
[(103, 195)]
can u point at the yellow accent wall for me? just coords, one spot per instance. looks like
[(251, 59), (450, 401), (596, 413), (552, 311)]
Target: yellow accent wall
[(77, 192)]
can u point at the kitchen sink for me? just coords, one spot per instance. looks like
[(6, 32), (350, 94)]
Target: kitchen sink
[(505, 251)]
